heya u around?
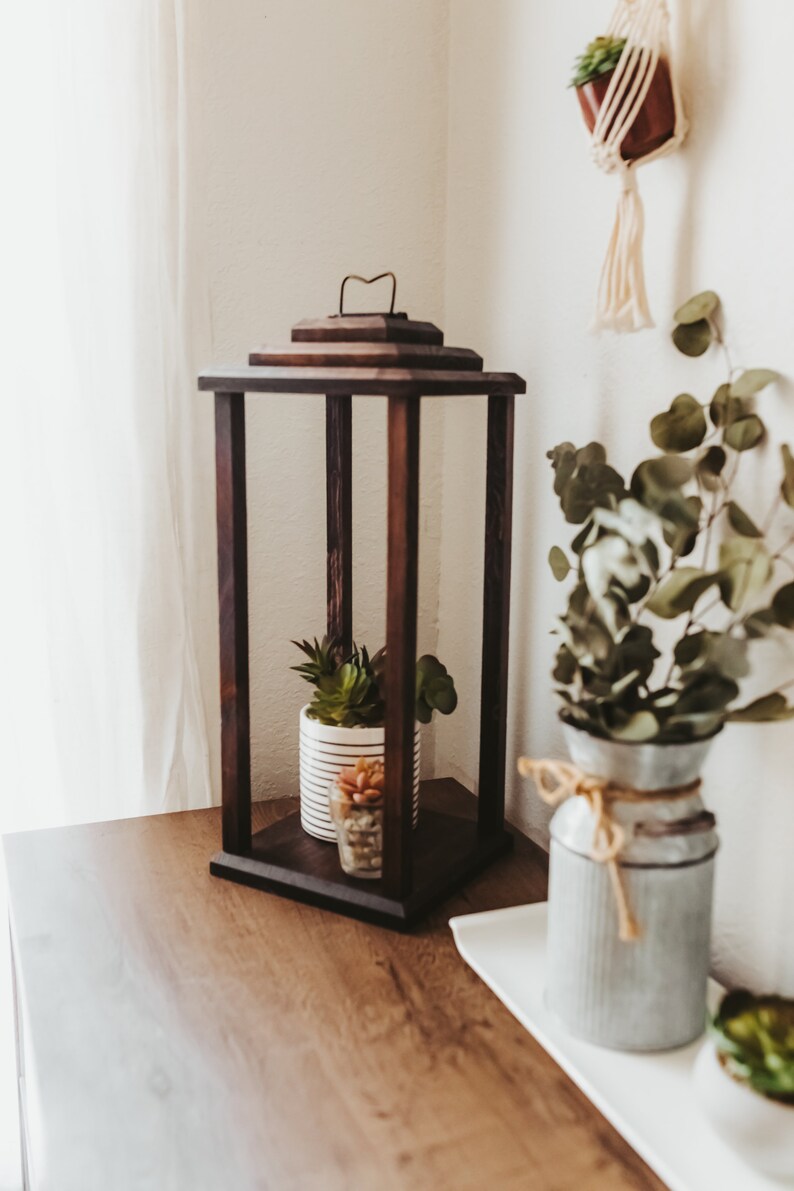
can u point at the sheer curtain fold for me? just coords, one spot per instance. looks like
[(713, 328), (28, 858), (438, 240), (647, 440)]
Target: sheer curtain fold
[(110, 633)]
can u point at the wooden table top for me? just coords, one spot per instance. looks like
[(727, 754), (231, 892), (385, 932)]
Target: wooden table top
[(183, 1033)]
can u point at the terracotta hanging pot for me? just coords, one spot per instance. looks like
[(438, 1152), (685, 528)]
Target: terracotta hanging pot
[(654, 123)]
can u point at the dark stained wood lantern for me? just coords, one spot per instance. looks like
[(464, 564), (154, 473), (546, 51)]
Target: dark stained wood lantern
[(340, 357)]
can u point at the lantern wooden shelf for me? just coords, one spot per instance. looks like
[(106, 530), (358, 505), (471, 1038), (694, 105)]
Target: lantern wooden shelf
[(391, 356)]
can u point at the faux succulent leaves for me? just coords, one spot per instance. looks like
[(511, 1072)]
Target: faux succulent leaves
[(754, 1037), (350, 693)]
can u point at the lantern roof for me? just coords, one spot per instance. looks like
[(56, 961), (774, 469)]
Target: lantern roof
[(364, 355)]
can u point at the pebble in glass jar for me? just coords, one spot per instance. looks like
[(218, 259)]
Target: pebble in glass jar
[(355, 799)]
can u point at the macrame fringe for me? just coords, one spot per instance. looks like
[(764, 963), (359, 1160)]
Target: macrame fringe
[(622, 303)]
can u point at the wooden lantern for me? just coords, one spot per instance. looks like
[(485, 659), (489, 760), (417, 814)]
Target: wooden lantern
[(367, 355)]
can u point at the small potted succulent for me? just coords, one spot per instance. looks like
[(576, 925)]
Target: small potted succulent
[(744, 1079), (355, 798), (344, 720), (655, 121), (673, 584)]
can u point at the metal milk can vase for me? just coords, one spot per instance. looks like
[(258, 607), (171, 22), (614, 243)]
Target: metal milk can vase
[(648, 993)]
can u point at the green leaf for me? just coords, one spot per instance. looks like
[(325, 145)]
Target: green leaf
[(758, 624), (787, 487), (709, 467), (741, 523), (594, 452), (681, 538), (706, 693), (664, 474), (680, 591), (559, 564), (563, 461), (725, 409), (753, 381), (565, 666), (693, 338), (716, 652), (745, 433), (643, 725), (783, 606), (768, 708), (682, 427), (746, 569), (697, 308)]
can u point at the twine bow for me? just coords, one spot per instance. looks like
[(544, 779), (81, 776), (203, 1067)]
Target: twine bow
[(558, 780)]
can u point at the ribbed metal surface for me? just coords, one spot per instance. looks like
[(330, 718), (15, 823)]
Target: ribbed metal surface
[(645, 995)]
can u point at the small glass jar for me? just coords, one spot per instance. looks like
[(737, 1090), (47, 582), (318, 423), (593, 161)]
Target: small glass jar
[(359, 833)]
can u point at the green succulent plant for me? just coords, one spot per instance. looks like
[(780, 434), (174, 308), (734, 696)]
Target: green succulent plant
[(600, 56), (632, 559), (348, 693), (754, 1037)]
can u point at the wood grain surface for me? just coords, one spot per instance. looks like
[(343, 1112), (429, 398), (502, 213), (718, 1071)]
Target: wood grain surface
[(232, 524), (367, 355), (188, 1034), (360, 382)]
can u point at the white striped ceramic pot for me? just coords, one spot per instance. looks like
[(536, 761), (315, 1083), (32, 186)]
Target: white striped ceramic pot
[(323, 752)]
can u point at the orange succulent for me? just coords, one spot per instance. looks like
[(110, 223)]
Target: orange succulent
[(362, 783)]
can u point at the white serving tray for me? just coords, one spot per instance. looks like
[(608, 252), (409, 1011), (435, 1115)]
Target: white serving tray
[(649, 1098)]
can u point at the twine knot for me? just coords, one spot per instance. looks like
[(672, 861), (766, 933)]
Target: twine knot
[(557, 781)]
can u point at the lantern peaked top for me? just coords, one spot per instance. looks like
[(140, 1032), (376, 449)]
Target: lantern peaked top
[(364, 355)]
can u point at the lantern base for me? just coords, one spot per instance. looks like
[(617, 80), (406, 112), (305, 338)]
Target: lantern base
[(447, 851)]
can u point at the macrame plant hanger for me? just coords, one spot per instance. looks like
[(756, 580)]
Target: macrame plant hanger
[(622, 301)]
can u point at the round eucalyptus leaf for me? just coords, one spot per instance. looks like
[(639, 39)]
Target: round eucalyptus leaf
[(753, 381), (697, 308), (745, 570), (783, 606), (665, 474), (707, 692), (741, 523), (559, 564), (758, 624), (709, 467), (642, 725), (682, 427), (692, 338), (787, 487), (680, 591), (745, 433), (768, 707)]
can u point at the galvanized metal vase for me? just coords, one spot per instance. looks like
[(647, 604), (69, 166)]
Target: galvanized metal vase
[(649, 994)]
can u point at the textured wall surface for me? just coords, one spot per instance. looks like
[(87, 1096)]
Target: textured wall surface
[(528, 221), (323, 134), (367, 135)]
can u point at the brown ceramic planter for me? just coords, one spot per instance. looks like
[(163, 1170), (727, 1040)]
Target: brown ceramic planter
[(655, 122)]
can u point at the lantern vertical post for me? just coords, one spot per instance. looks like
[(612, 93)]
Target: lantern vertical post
[(496, 614), (339, 519), (233, 615), (401, 582)]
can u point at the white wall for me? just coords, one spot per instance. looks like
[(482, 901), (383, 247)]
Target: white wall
[(528, 221), (439, 140), (321, 129)]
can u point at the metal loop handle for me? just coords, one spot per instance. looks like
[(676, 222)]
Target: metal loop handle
[(368, 281)]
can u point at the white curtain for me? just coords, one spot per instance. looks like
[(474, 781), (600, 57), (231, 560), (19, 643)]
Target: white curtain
[(107, 489)]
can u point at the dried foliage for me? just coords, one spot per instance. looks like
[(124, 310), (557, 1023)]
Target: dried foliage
[(633, 560)]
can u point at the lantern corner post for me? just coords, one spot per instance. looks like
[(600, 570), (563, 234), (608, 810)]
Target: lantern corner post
[(401, 609), (233, 621), (339, 520), (496, 614)]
